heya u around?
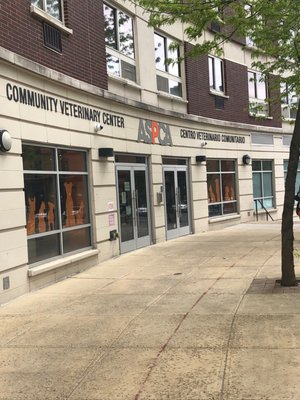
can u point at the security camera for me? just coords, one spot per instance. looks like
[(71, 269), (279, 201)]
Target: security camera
[(203, 144), (98, 127)]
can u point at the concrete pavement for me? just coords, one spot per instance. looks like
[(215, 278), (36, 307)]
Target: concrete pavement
[(195, 318)]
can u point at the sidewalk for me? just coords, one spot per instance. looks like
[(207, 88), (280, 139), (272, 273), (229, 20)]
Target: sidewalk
[(195, 318)]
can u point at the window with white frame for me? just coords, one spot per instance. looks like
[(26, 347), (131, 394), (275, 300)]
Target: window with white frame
[(289, 101), (216, 74), (51, 7), (56, 200), (262, 178), (221, 187), (167, 66), (119, 40), (258, 94)]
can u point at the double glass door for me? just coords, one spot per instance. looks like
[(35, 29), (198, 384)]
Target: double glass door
[(133, 201), (177, 210)]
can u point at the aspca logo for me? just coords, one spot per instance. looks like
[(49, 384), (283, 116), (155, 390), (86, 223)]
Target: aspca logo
[(154, 132)]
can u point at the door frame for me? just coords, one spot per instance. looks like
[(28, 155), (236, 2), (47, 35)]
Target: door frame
[(136, 242), (185, 230)]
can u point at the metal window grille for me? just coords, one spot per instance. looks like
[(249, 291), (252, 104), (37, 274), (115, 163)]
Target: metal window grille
[(52, 38)]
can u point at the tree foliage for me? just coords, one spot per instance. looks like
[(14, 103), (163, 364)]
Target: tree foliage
[(273, 28)]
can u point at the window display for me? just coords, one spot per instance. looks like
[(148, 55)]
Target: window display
[(56, 197), (221, 189)]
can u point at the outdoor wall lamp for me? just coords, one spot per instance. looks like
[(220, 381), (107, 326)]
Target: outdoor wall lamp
[(106, 152), (246, 159), (200, 159), (5, 140)]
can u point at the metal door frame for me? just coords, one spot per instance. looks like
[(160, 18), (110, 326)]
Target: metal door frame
[(179, 231), (136, 242)]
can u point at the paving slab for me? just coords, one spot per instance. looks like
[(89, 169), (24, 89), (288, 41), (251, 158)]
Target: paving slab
[(200, 317)]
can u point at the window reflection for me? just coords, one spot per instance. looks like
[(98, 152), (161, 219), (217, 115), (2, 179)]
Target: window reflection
[(221, 187), (55, 200)]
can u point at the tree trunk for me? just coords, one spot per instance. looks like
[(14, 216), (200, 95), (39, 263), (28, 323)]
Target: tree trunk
[(288, 277)]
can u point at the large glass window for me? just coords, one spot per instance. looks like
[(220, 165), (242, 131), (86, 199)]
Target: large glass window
[(297, 183), (119, 40), (289, 101), (56, 197), (221, 187), (216, 74), (167, 66), (258, 94), (52, 7), (262, 177)]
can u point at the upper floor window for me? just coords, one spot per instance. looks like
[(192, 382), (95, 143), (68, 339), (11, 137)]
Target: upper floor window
[(51, 7), (119, 40), (258, 94), (216, 74), (289, 101), (167, 66)]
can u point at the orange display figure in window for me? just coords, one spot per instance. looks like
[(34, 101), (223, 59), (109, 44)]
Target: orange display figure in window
[(70, 219), (42, 222), (226, 193), (232, 194), (31, 220), (80, 214), (211, 195), (51, 207), (217, 184)]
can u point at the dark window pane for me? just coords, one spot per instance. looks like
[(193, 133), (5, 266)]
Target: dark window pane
[(71, 160), (267, 165), (38, 158), (256, 165), (41, 203), (229, 208), (43, 248), (212, 165), (76, 239), (74, 200), (214, 210), (227, 165)]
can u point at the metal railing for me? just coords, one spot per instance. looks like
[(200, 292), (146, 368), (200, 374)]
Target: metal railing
[(263, 207)]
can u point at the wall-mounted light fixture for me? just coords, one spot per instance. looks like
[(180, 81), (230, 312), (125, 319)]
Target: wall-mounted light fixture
[(246, 159), (98, 127), (200, 159), (5, 140), (106, 152)]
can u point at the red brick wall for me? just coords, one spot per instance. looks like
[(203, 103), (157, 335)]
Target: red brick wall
[(83, 53), (202, 102)]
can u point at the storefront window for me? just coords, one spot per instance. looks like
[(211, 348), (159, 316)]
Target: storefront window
[(56, 197), (262, 176), (221, 187)]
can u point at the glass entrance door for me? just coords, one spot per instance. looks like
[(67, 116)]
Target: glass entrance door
[(177, 209), (133, 200)]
